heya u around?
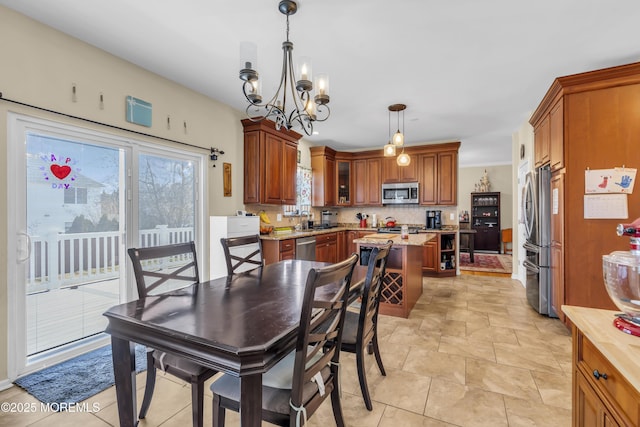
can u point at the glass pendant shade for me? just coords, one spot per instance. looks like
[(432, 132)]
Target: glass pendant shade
[(398, 139), (403, 159), (389, 150)]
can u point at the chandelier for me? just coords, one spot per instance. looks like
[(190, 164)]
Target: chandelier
[(304, 108), (397, 140)]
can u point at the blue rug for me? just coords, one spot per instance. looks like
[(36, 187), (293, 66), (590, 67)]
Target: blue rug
[(76, 379)]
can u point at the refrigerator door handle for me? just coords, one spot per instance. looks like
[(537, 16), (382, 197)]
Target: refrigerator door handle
[(531, 247), (530, 266)]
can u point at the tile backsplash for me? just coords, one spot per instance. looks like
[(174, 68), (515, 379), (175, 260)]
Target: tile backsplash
[(403, 214)]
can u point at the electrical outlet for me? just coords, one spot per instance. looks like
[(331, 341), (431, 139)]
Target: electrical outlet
[(452, 216), (279, 217)]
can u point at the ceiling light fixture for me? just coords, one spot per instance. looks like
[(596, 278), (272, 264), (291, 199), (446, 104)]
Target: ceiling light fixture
[(398, 137), (306, 108)]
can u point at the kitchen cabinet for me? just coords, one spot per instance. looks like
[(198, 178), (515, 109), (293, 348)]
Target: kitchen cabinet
[(342, 247), (327, 247), (440, 255), (541, 143), (323, 171), (353, 235), (604, 370), (485, 219), (270, 164), (593, 124), (391, 172), (438, 178), (278, 250), (367, 182)]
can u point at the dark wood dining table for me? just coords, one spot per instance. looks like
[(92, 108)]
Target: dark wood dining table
[(471, 237), (241, 325)]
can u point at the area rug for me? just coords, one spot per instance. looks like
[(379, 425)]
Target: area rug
[(493, 263), (76, 379)]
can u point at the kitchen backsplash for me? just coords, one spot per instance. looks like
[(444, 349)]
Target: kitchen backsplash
[(404, 214)]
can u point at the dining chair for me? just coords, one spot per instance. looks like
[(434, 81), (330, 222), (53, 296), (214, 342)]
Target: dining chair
[(159, 269), (242, 253), (361, 328), (294, 388)]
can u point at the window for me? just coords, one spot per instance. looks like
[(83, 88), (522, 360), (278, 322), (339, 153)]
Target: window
[(75, 196), (303, 190)]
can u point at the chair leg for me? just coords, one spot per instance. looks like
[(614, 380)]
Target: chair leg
[(218, 412), (197, 403), (149, 386), (376, 352), (335, 405), (362, 378)]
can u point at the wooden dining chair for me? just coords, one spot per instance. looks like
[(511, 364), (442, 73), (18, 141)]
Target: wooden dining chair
[(159, 269), (361, 328), (294, 388), (242, 253)]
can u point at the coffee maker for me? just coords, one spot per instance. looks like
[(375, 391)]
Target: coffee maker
[(434, 220)]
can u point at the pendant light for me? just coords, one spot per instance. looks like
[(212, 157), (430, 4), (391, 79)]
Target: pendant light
[(398, 137), (389, 148)]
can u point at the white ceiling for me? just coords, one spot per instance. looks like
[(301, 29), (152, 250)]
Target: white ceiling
[(468, 70)]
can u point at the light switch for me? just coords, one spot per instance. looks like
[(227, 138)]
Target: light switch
[(452, 216), (279, 217)]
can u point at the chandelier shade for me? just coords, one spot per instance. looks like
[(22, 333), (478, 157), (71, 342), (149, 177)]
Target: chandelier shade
[(294, 104)]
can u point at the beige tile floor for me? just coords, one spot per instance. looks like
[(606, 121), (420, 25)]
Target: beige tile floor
[(472, 353)]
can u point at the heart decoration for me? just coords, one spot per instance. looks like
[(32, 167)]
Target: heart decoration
[(60, 172)]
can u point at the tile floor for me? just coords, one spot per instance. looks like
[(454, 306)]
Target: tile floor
[(472, 353)]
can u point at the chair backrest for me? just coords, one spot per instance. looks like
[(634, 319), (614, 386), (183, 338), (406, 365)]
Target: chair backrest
[(163, 268), (373, 283), (242, 253), (320, 332)]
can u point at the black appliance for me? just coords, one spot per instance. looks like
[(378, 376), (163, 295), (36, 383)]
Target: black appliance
[(537, 221), (434, 220), (394, 230)]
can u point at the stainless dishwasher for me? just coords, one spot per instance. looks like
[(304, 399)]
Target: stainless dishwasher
[(306, 248)]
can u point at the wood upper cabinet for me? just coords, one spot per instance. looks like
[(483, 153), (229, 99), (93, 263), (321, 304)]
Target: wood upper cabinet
[(323, 166), (391, 172), (438, 178), (344, 182), (367, 182), (270, 163), (541, 144), (556, 136)]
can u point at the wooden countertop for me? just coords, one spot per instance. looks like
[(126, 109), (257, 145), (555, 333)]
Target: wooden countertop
[(622, 350), (419, 239)]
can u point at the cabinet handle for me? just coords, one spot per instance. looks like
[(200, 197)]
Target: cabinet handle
[(598, 375)]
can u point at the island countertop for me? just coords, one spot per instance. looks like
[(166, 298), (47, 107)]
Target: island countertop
[(419, 239)]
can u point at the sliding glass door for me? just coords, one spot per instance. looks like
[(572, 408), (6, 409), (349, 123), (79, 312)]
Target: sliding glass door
[(81, 198)]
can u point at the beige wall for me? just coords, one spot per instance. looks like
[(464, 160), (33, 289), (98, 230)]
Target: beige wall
[(501, 178), (39, 66)]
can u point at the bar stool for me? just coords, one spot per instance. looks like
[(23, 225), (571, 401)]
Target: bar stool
[(507, 235)]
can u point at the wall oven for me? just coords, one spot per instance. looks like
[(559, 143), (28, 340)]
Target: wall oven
[(400, 193)]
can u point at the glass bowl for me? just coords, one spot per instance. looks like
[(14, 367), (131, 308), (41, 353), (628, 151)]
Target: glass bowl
[(620, 270)]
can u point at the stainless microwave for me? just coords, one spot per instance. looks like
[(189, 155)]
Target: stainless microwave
[(400, 193)]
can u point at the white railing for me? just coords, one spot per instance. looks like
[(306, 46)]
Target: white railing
[(63, 260)]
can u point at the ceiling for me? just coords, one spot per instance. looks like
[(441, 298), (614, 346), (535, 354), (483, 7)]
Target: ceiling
[(467, 70)]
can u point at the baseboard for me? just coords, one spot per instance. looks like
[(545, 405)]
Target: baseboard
[(5, 384)]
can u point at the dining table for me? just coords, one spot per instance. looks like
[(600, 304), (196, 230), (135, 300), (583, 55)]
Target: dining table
[(471, 237), (241, 325)]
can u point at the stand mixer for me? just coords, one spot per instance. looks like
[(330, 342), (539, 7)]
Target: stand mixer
[(621, 273)]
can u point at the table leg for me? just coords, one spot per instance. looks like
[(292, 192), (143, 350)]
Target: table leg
[(471, 247), (251, 400), (124, 370)]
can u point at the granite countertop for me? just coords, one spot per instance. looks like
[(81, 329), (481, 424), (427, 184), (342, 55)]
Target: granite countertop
[(347, 227), (419, 239), (622, 350)]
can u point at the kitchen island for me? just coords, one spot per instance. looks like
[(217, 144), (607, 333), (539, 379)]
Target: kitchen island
[(606, 370), (403, 278)]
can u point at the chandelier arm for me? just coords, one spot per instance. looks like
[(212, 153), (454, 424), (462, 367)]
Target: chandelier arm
[(321, 110)]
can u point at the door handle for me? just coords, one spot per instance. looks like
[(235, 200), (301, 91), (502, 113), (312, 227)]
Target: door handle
[(28, 251)]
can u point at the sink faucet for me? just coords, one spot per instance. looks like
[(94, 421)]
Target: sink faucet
[(305, 224)]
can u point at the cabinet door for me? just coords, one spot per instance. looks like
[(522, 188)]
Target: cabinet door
[(541, 139), (409, 173), (251, 167), (447, 179), (556, 136), (341, 247), (429, 181), (374, 181), (343, 182), (274, 170), (430, 256), (289, 177), (590, 410), (324, 174), (391, 172), (360, 182), (487, 239)]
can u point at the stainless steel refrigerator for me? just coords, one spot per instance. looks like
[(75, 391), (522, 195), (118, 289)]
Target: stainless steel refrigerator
[(537, 221)]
